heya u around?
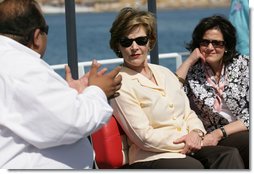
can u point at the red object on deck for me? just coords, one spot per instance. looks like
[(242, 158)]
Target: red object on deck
[(110, 146)]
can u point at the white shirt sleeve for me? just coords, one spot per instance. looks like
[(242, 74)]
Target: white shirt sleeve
[(44, 111)]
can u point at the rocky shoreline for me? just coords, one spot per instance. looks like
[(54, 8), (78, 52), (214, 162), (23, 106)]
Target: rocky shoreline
[(57, 6)]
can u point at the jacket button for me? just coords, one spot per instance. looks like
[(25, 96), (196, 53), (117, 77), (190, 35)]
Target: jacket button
[(179, 129), (171, 105)]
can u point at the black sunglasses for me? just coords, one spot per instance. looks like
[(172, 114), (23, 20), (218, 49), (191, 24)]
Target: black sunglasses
[(215, 43), (126, 42), (44, 29)]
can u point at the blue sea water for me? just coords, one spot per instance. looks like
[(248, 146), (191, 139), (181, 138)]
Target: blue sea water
[(174, 30)]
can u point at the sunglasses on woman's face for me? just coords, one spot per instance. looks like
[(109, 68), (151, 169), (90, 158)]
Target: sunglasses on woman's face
[(215, 43), (126, 42)]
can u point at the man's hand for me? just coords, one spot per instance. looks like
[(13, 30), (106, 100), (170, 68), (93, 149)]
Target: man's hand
[(79, 84), (110, 83)]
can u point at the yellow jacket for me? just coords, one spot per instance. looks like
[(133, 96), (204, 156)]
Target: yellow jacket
[(153, 116)]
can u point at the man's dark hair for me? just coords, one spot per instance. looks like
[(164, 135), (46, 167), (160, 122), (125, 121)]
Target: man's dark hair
[(19, 19)]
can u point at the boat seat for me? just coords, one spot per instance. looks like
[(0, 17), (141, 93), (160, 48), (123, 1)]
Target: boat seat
[(110, 146)]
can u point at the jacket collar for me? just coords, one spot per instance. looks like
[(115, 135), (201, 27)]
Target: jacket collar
[(133, 75)]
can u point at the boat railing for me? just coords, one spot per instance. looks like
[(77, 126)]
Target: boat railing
[(83, 65)]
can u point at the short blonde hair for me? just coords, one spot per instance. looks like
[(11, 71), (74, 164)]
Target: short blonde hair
[(128, 19)]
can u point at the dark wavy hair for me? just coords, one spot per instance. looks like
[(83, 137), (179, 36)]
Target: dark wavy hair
[(19, 19), (127, 19), (227, 29)]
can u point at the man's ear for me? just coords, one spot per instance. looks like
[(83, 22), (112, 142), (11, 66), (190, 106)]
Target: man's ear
[(36, 40)]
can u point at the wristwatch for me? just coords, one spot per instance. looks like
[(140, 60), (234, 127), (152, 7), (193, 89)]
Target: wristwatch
[(224, 133), (200, 133)]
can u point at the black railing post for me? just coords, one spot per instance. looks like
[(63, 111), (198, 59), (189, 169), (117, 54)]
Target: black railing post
[(154, 56), (71, 37)]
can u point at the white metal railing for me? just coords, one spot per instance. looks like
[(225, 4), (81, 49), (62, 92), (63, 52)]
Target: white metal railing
[(83, 65)]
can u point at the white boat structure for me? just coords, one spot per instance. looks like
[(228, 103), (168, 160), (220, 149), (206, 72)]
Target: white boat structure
[(85, 66)]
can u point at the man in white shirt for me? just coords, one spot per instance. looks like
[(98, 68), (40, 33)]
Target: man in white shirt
[(44, 120)]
